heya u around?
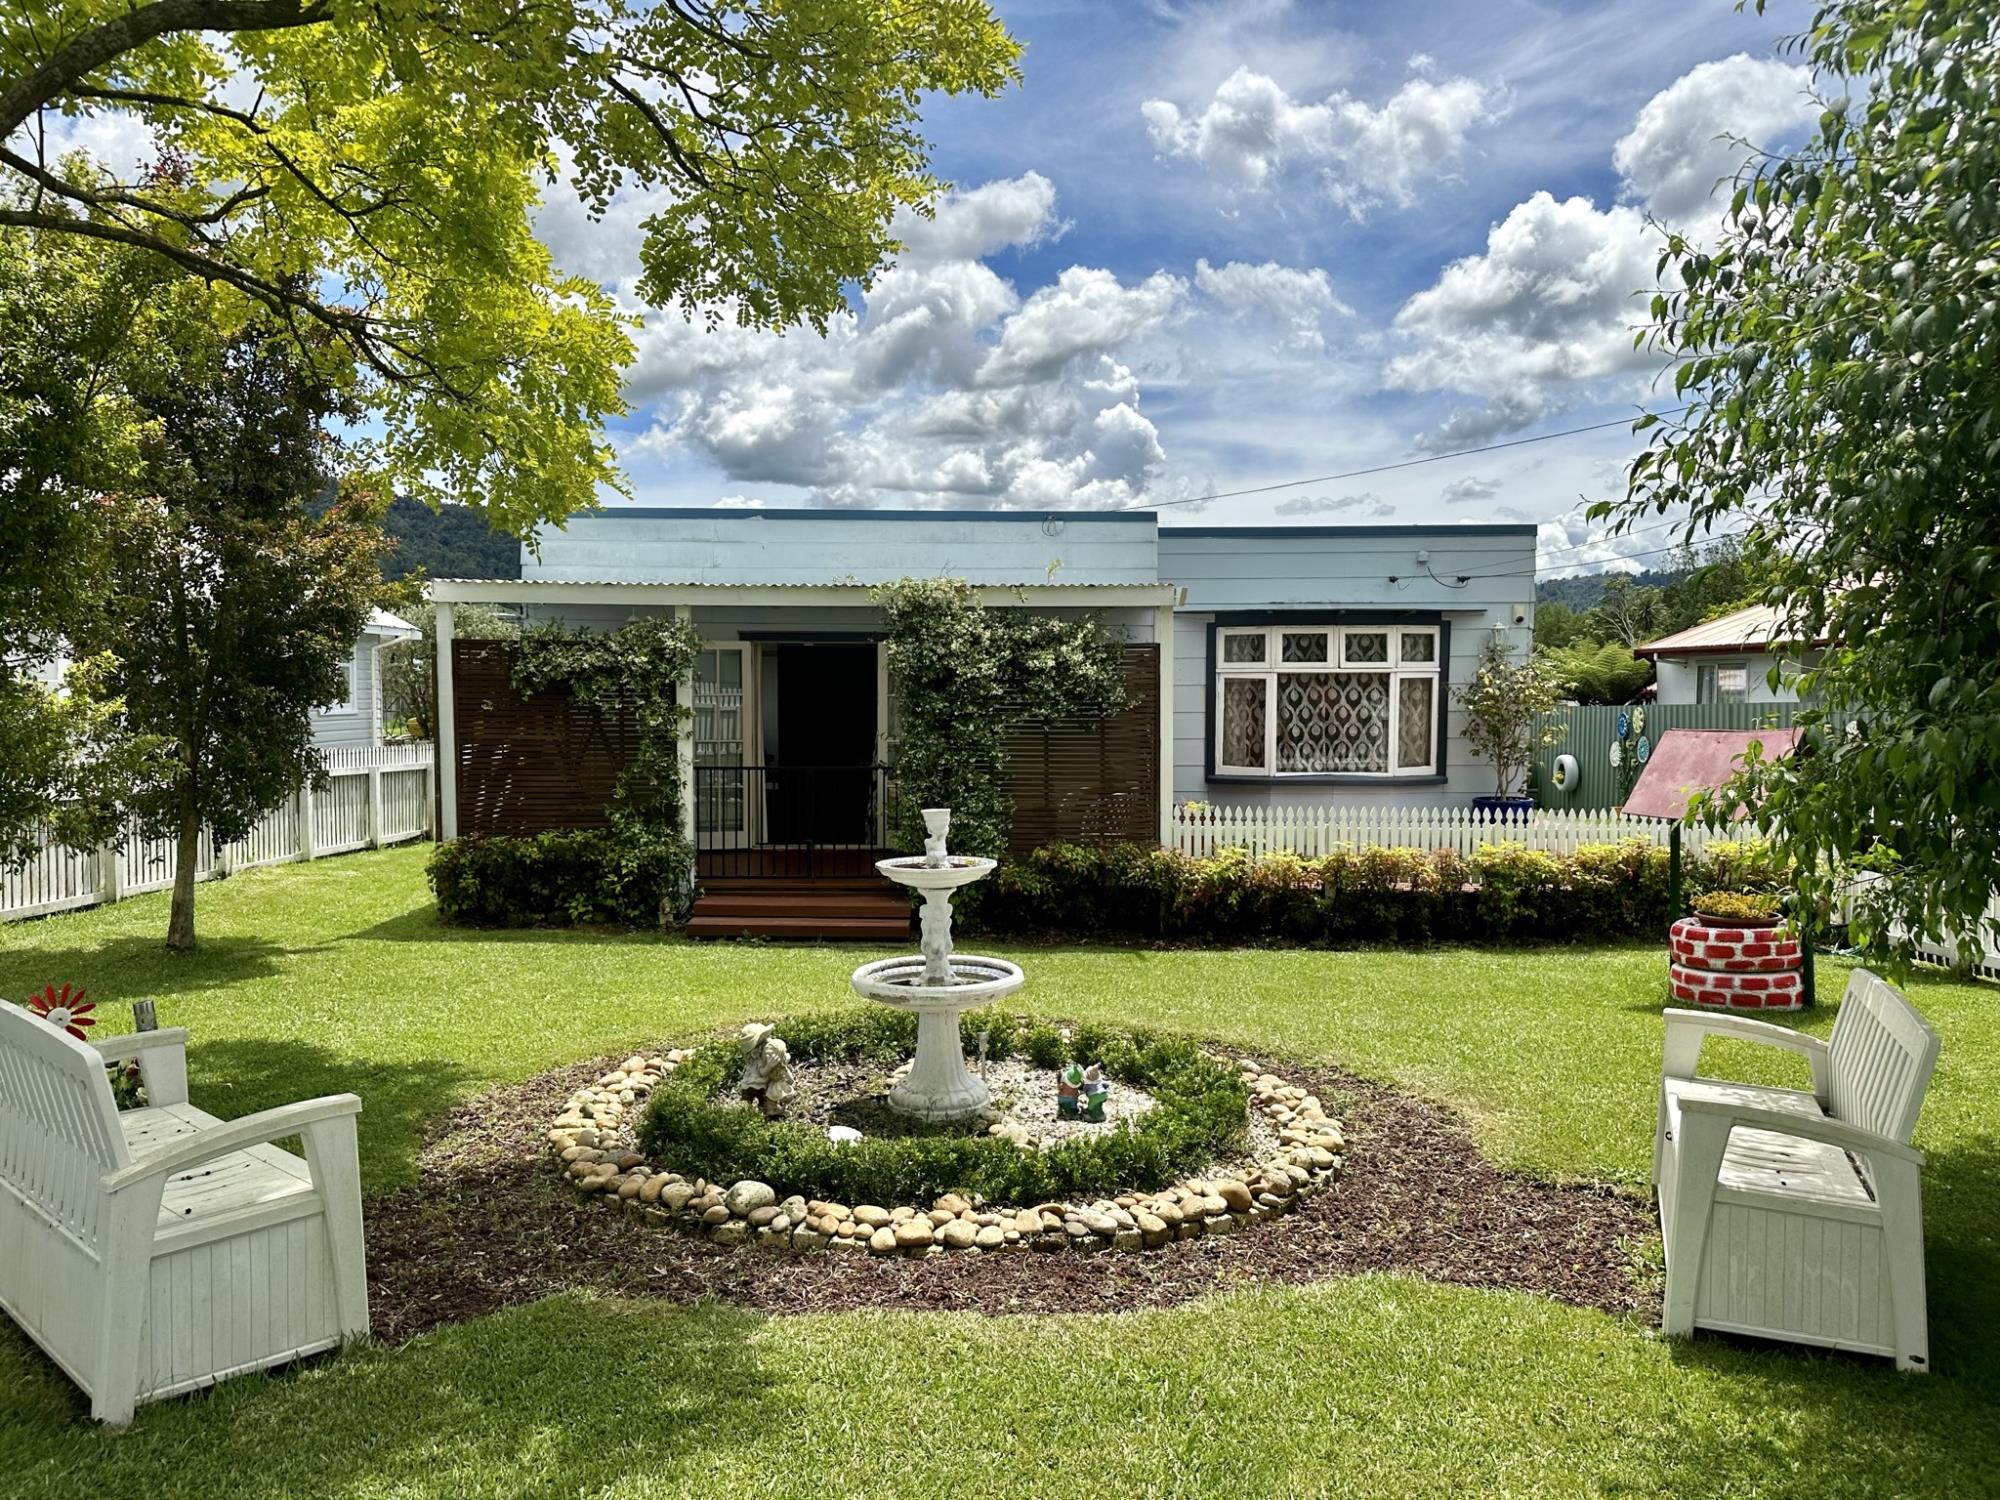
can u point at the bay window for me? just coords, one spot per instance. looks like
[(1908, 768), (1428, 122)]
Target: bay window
[(1327, 700)]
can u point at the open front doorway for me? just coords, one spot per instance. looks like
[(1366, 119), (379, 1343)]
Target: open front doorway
[(788, 776)]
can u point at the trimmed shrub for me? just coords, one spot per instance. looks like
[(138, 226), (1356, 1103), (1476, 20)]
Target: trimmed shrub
[(1199, 1112), (1505, 892), (562, 877)]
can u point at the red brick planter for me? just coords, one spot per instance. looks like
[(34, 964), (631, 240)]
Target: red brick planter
[(1731, 967)]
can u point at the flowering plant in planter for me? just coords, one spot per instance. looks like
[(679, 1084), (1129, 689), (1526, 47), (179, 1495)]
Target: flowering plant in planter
[(1741, 907)]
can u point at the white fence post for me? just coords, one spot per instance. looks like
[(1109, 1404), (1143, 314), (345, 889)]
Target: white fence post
[(375, 807), (302, 800), (109, 861)]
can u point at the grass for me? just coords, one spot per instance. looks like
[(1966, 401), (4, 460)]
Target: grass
[(332, 976)]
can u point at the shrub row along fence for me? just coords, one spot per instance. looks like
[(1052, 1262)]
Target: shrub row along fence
[(1314, 832), (385, 798), (1503, 892)]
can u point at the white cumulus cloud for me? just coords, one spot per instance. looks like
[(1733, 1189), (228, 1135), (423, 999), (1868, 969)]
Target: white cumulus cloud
[(1252, 132), (1690, 136), (1298, 300)]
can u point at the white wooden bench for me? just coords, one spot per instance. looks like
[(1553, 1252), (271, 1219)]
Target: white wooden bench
[(1797, 1215), (159, 1250)]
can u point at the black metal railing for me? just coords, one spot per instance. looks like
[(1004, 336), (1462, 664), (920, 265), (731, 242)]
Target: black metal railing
[(783, 822)]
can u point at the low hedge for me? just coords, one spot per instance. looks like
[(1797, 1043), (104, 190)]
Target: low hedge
[(1503, 893), (1199, 1112), (563, 877)]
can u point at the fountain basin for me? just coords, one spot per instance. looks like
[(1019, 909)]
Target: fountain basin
[(975, 980), (919, 875)]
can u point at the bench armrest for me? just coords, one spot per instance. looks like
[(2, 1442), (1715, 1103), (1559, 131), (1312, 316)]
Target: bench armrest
[(232, 1135), (1686, 1030), (136, 1043), (1831, 1132), (162, 1059)]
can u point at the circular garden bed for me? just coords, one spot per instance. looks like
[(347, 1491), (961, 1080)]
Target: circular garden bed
[(1192, 1144)]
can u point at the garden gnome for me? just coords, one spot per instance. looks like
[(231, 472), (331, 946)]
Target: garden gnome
[(1069, 1089), (1096, 1088)]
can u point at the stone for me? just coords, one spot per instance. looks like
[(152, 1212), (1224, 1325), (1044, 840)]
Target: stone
[(940, 1217), (782, 1223), (872, 1216), (882, 1241), (675, 1195), (715, 1213), (794, 1208), (747, 1195), (1127, 1239), (1169, 1213), (1049, 1241), (1190, 1229), (1234, 1194), (759, 1217), (805, 1240), (1096, 1221), (957, 1234), (1218, 1224), (630, 1187), (730, 1231), (587, 1138), (1153, 1229), (914, 1234), (774, 1238), (901, 1212), (835, 1211), (1028, 1222), (990, 1237), (953, 1204), (651, 1188)]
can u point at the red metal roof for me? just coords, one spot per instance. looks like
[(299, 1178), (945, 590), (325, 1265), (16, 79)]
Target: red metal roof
[(1690, 760)]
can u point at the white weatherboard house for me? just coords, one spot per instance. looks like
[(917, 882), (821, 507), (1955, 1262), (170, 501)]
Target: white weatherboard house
[(355, 719), (1726, 660), (1265, 665)]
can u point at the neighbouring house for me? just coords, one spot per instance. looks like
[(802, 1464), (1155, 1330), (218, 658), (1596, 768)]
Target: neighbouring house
[(354, 721), (1263, 665), (1728, 660)]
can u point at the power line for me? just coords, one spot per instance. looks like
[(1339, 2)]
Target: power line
[(1408, 463), (1621, 557)]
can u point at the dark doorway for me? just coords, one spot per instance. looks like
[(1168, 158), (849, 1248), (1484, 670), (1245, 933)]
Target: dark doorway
[(822, 754)]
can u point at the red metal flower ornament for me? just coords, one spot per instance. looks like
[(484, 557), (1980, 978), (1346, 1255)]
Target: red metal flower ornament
[(68, 1010)]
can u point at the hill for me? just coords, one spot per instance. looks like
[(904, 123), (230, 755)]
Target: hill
[(455, 542)]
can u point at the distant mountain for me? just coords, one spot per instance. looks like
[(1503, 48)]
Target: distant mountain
[(455, 542), (1584, 590)]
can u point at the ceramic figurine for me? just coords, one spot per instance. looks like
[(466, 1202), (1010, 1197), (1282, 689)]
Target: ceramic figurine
[(1096, 1089), (767, 1075), (1069, 1090)]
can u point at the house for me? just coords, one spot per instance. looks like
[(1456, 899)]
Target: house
[(1729, 660), (354, 721), (1263, 664)]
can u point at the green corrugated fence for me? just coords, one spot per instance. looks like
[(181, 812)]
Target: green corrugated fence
[(1592, 729)]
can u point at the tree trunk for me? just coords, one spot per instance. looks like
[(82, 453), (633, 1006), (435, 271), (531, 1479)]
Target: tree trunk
[(180, 923)]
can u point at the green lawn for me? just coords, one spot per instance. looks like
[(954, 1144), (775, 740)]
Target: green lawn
[(333, 976)]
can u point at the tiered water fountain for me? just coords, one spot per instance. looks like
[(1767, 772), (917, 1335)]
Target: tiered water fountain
[(937, 984)]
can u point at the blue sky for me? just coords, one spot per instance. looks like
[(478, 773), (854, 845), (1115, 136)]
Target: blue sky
[(1208, 247)]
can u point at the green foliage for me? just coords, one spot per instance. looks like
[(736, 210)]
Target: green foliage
[(1736, 906), (1198, 1114), (1369, 895), (1505, 704), (1591, 673), (370, 173), (1836, 351), (963, 676), (638, 871), (230, 610), (453, 541), (564, 877)]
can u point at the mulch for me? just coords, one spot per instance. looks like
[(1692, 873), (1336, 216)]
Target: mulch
[(490, 1224)]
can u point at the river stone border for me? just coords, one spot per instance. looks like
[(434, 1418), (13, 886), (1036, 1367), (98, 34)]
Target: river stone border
[(593, 1141)]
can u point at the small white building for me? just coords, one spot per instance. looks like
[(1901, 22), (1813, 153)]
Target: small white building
[(1729, 660), (355, 721)]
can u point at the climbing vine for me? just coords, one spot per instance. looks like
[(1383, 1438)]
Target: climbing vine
[(963, 676), (632, 670)]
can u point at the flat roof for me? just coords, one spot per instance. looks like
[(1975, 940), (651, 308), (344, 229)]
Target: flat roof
[(1427, 528), (811, 513), (685, 591)]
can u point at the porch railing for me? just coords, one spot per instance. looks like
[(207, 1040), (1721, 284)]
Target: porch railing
[(785, 822)]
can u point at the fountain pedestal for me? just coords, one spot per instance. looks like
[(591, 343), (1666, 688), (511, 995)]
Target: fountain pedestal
[(937, 984)]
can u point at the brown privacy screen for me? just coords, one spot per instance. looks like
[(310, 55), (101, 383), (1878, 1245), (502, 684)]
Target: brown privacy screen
[(526, 765), (1094, 780)]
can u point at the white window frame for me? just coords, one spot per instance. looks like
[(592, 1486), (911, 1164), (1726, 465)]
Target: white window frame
[(351, 673), (1271, 667)]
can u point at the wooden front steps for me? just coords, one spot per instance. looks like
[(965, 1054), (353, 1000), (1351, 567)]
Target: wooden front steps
[(815, 910)]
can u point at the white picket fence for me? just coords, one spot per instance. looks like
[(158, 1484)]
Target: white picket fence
[(1317, 830), (362, 806)]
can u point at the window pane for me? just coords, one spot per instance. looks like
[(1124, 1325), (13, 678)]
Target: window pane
[(1243, 721), (1418, 646), (1333, 721), (1246, 647), (1704, 684), (1302, 645), (1732, 684), (1416, 697), (1366, 646)]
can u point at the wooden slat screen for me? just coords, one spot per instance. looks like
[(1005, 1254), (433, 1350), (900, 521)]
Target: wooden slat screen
[(527, 765), (1095, 780)]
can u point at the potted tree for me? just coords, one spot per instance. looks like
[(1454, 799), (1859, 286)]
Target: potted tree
[(1505, 707)]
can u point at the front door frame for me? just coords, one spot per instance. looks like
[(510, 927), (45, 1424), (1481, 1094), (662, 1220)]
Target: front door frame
[(752, 832)]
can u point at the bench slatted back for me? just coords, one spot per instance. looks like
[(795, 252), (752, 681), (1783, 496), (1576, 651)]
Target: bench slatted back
[(1881, 1055), (58, 1125)]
